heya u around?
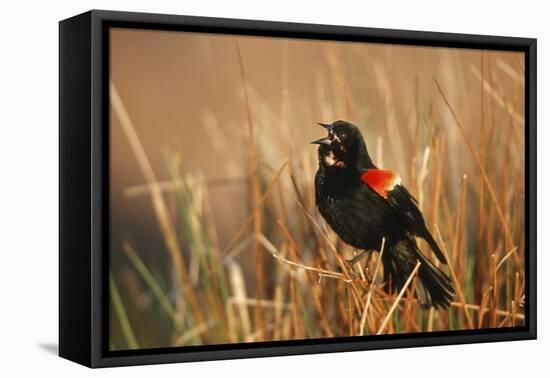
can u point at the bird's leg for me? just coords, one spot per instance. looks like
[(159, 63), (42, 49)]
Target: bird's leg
[(354, 260)]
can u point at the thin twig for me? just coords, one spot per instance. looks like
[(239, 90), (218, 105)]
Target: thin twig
[(337, 255), (254, 189), (488, 183), (469, 306), (238, 287), (332, 248), (369, 295), (455, 279), (506, 257), (256, 209), (194, 332), (394, 305), (498, 98), (494, 291), (253, 302), (275, 253), (315, 290)]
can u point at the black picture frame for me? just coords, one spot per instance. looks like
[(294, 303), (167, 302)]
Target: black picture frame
[(84, 187)]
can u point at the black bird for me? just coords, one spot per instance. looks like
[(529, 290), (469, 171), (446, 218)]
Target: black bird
[(364, 204)]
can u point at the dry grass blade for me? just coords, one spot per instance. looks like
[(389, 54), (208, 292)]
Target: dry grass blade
[(369, 295), (317, 294), (341, 263), (259, 205), (194, 333), (239, 293), (253, 302), (239, 248), (455, 279), (499, 99), (506, 256), (474, 153), (398, 298), (254, 188), (275, 253), (161, 211), (513, 313), (285, 231), (332, 248), (482, 310), (208, 232), (422, 176), (518, 77), (494, 290)]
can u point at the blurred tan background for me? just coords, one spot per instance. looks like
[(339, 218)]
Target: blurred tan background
[(184, 95), (184, 92)]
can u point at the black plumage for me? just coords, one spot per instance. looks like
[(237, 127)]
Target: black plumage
[(364, 204)]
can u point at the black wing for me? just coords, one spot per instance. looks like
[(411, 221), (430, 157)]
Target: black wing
[(406, 206)]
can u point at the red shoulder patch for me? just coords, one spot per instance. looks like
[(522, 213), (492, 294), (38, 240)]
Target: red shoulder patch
[(381, 181)]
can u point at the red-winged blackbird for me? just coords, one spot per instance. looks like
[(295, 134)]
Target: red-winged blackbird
[(364, 204)]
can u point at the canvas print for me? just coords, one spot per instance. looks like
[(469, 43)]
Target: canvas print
[(268, 189)]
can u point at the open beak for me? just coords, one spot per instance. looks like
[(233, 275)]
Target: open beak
[(324, 141)]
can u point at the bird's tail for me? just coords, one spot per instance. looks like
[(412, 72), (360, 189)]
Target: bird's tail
[(433, 287)]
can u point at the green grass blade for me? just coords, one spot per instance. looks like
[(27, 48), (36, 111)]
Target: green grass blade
[(152, 283), (120, 312)]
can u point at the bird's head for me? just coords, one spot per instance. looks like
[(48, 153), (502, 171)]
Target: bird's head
[(343, 147)]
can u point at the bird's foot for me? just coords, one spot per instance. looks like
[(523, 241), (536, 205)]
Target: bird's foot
[(357, 258)]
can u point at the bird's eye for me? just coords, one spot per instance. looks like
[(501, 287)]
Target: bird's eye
[(343, 136)]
